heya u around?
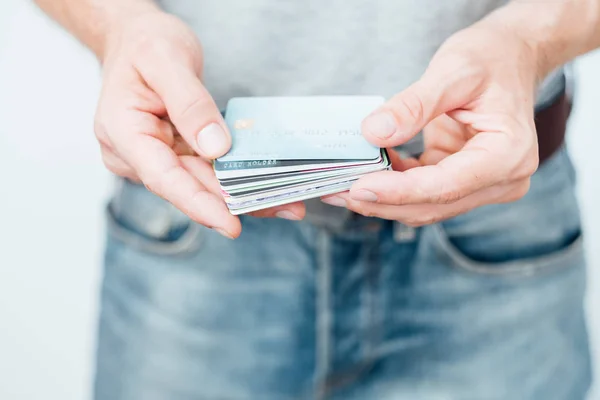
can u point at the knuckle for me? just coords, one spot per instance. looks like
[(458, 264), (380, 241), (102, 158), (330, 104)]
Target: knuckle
[(410, 222), (154, 128), (522, 167), (152, 182), (413, 105), (158, 182), (424, 219), (397, 196), (152, 185), (115, 169), (448, 196), (100, 130), (111, 168), (192, 109), (449, 215), (361, 209), (519, 191), (446, 192), (429, 219), (525, 155), (414, 222), (528, 167), (369, 213)]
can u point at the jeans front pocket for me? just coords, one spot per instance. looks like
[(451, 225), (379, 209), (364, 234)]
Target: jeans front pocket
[(143, 221), (541, 230)]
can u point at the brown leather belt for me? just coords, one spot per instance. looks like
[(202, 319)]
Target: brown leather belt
[(551, 126)]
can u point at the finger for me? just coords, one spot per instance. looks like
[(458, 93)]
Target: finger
[(337, 199), (182, 148), (162, 172), (116, 165), (165, 132), (293, 211), (425, 214), (402, 164), (433, 156), (203, 171), (443, 136), (440, 89), (447, 134), (120, 127), (189, 105), (173, 138), (453, 178)]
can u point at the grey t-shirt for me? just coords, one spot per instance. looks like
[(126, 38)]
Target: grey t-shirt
[(312, 47), (316, 47)]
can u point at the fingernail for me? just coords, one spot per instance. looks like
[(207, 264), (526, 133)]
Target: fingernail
[(287, 215), (364, 195), (381, 124), (224, 233), (335, 201), (213, 141)]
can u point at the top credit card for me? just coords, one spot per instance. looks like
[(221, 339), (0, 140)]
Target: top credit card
[(299, 128)]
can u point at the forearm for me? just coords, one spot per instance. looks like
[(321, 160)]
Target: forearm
[(556, 30), (92, 21)]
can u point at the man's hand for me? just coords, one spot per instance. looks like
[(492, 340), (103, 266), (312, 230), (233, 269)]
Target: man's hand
[(475, 104), (155, 117), (478, 91)]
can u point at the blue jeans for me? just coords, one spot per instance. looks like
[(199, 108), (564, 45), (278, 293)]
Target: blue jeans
[(485, 306)]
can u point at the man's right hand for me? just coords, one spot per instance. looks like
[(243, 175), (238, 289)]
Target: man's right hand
[(155, 117)]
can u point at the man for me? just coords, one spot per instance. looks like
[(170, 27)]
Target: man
[(458, 276)]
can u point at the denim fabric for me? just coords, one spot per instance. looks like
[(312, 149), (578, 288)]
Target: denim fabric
[(485, 306)]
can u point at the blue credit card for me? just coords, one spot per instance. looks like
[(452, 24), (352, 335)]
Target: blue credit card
[(300, 128)]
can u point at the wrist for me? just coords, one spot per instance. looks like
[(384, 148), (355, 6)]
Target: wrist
[(119, 19), (153, 36), (554, 32)]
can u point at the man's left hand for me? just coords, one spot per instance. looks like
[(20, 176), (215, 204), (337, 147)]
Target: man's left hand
[(475, 105)]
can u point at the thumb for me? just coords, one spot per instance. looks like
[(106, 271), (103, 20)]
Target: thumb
[(190, 107), (406, 114)]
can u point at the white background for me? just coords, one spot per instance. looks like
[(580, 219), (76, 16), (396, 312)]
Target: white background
[(53, 190)]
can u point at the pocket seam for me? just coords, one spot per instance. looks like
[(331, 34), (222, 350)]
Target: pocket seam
[(525, 267), (189, 242)]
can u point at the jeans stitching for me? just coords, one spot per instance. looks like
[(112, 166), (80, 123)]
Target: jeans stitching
[(324, 314), (188, 242), (371, 330), (522, 267)]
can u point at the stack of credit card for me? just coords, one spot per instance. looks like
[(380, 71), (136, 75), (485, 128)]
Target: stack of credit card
[(287, 149)]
